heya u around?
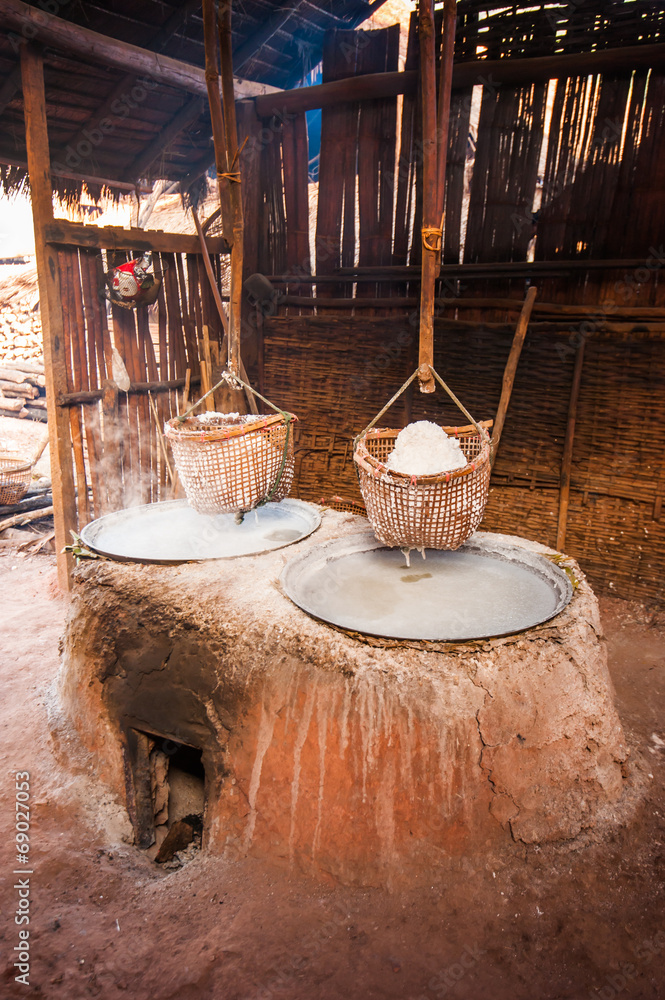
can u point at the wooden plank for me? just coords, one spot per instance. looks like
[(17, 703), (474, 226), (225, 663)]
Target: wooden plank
[(61, 231), (96, 372), (377, 135), (187, 311), (55, 362), (335, 227), (94, 395), (194, 293), (72, 348), (85, 354)]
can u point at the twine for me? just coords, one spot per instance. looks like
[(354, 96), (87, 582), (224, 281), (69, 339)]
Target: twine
[(432, 233)]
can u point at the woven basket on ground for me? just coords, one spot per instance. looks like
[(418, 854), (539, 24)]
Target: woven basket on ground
[(230, 463), (432, 512), (15, 477)]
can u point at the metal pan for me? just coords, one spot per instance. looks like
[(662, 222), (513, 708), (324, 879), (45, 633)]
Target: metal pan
[(486, 588), (172, 532)]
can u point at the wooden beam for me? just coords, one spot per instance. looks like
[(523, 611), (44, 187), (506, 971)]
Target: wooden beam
[(15, 161), (277, 20), (91, 46), (506, 267), (10, 88), (55, 361), (494, 72), (61, 231), (87, 396), (124, 87), (188, 114), (567, 460)]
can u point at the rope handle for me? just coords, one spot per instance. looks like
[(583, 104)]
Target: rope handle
[(484, 436), (235, 382)]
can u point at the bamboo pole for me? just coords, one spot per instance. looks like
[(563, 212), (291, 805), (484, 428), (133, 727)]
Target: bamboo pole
[(511, 369), (206, 365), (567, 460), (210, 273)]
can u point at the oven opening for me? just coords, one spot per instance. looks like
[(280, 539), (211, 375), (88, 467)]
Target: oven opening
[(168, 794)]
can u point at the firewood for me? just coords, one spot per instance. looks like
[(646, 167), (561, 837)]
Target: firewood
[(11, 405), (16, 389), (12, 375), (17, 519), (32, 367)]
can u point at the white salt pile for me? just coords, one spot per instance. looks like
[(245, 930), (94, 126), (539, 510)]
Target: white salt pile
[(211, 416), (424, 449)]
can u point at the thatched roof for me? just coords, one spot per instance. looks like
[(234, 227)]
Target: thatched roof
[(130, 120)]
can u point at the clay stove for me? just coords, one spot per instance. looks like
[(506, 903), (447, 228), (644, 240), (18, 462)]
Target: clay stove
[(345, 754)]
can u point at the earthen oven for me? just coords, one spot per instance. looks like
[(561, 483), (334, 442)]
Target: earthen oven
[(349, 756)]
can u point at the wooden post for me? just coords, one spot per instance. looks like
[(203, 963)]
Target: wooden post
[(55, 359), (567, 461), (431, 249), (511, 368), (216, 115), (233, 181)]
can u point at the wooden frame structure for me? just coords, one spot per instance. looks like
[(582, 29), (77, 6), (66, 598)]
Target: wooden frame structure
[(342, 326), (114, 437)]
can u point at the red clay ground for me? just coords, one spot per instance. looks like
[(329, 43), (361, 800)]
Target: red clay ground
[(105, 922)]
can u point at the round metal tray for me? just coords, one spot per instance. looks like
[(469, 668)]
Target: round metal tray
[(486, 588), (173, 532)]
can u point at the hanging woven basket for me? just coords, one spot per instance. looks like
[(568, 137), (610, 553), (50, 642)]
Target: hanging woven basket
[(231, 463), (424, 512), (431, 512)]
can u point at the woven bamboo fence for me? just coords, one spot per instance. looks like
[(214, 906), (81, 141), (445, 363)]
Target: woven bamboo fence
[(116, 437)]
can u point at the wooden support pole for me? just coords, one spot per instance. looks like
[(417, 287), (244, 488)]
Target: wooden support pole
[(232, 181), (209, 272), (217, 116), (431, 248), (465, 74), (55, 360), (511, 369), (567, 460)]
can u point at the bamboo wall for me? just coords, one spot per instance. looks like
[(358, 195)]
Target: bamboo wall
[(580, 179)]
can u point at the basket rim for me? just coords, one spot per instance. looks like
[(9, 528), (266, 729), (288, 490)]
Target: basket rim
[(176, 429), (19, 466), (371, 465)]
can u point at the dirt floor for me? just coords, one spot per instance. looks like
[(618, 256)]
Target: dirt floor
[(106, 922)]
